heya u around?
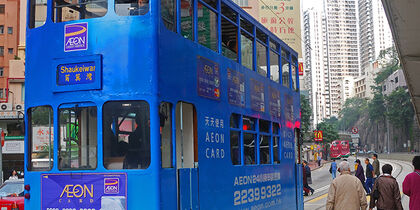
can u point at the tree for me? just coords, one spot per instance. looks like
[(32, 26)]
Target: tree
[(400, 111), (306, 113), (329, 131), (352, 110), (376, 108), (389, 61)]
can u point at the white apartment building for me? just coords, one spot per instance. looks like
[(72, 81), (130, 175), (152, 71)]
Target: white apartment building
[(375, 34), (346, 88), (363, 84), (316, 64)]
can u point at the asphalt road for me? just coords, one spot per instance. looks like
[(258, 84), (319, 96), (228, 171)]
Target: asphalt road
[(322, 179)]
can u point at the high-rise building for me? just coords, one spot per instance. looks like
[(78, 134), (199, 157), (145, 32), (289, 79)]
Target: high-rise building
[(375, 34)]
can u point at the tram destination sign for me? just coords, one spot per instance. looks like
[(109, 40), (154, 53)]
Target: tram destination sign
[(76, 73), (93, 191)]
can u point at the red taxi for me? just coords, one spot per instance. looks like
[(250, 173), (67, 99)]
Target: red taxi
[(11, 195)]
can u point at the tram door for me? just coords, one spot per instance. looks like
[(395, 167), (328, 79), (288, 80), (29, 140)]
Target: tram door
[(186, 156)]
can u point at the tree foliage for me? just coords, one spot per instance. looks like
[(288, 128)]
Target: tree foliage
[(306, 113), (376, 108), (352, 110), (329, 131), (400, 111), (389, 61)]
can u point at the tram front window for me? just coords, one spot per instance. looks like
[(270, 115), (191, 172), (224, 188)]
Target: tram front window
[(126, 135), (67, 10), (78, 138), (131, 7)]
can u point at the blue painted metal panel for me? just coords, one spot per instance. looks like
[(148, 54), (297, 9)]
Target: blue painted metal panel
[(188, 188), (299, 187), (168, 188)]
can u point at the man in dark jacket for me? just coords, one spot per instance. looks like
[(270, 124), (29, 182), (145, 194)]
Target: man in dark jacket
[(389, 192), (369, 176), (307, 172), (375, 165), (360, 173)]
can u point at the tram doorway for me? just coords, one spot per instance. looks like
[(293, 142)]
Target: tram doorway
[(186, 156)]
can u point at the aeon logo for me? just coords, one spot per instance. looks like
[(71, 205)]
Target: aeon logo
[(75, 37), (111, 185)]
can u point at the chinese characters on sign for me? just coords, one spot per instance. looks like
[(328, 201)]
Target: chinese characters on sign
[(257, 96), (208, 83), (236, 88), (76, 73), (275, 104)]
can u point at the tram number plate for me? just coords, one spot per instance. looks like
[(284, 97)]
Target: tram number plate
[(255, 194)]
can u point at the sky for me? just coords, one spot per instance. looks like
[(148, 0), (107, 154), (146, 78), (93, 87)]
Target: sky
[(310, 3)]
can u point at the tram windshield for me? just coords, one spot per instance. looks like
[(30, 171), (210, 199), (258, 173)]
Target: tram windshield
[(67, 10)]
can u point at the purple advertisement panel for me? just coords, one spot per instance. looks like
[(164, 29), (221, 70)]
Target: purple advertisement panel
[(236, 88), (75, 37), (96, 191), (208, 83), (275, 104), (257, 96), (76, 73)]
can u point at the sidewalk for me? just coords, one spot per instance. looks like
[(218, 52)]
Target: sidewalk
[(314, 164)]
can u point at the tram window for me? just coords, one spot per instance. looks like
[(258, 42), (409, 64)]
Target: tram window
[(229, 39), (247, 48), (207, 31), (265, 157), (249, 148), (41, 138), (261, 59), (212, 3), (234, 120), (38, 13), (285, 68), (235, 147), (126, 135), (294, 82), (165, 118), (228, 12), (78, 138), (67, 10), (247, 26), (274, 66), (264, 126), (248, 123), (274, 46), (261, 36), (168, 13), (187, 19), (276, 155), (276, 128), (131, 7)]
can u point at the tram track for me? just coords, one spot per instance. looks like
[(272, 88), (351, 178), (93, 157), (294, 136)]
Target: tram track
[(400, 167)]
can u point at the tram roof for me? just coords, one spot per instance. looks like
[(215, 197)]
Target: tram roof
[(403, 17)]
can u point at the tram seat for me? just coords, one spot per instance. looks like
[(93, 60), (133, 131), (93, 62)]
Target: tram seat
[(114, 162)]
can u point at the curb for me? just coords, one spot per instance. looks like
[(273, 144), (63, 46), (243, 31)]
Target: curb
[(322, 165)]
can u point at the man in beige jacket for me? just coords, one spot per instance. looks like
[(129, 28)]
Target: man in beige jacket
[(346, 191)]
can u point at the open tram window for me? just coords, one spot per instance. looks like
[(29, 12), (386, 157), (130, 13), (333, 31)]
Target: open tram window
[(78, 138), (229, 39), (274, 67), (187, 19), (131, 7), (261, 59), (67, 10), (228, 12), (250, 140), (247, 49), (38, 13), (235, 139), (126, 135), (165, 119), (265, 138), (293, 72), (41, 138), (207, 27), (168, 14), (285, 68), (276, 143)]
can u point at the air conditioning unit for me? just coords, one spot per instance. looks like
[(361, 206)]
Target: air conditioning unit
[(19, 107), (5, 107)]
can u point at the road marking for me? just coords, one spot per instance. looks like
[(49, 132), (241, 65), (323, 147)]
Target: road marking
[(318, 198)]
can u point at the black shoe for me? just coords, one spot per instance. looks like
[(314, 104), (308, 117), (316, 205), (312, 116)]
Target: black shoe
[(305, 194), (312, 191)]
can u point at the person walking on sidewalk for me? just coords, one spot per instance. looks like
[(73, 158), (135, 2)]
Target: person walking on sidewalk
[(411, 185), (308, 177), (360, 173), (346, 191), (386, 192), (375, 165), (333, 169), (319, 159), (369, 176)]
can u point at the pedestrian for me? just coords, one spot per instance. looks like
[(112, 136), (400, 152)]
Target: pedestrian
[(411, 185), (14, 175), (308, 177), (305, 182), (375, 165), (346, 191), (369, 176), (333, 169), (319, 159), (386, 192), (360, 173)]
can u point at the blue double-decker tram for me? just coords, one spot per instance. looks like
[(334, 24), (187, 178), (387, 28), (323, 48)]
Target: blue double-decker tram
[(171, 104)]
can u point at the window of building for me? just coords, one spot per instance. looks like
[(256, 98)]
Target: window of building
[(1, 93), (67, 10), (38, 13), (41, 138), (1, 71), (229, 39), (294, 73), (261, 59), (78, 137), (247, 49), (274, 67), (187, 19), (285, 68), (207, 32), (1, 51), (1, 29), (126, 135), (10, 50), (168, 9), (10, 30), (2, 8), (165, 118)]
